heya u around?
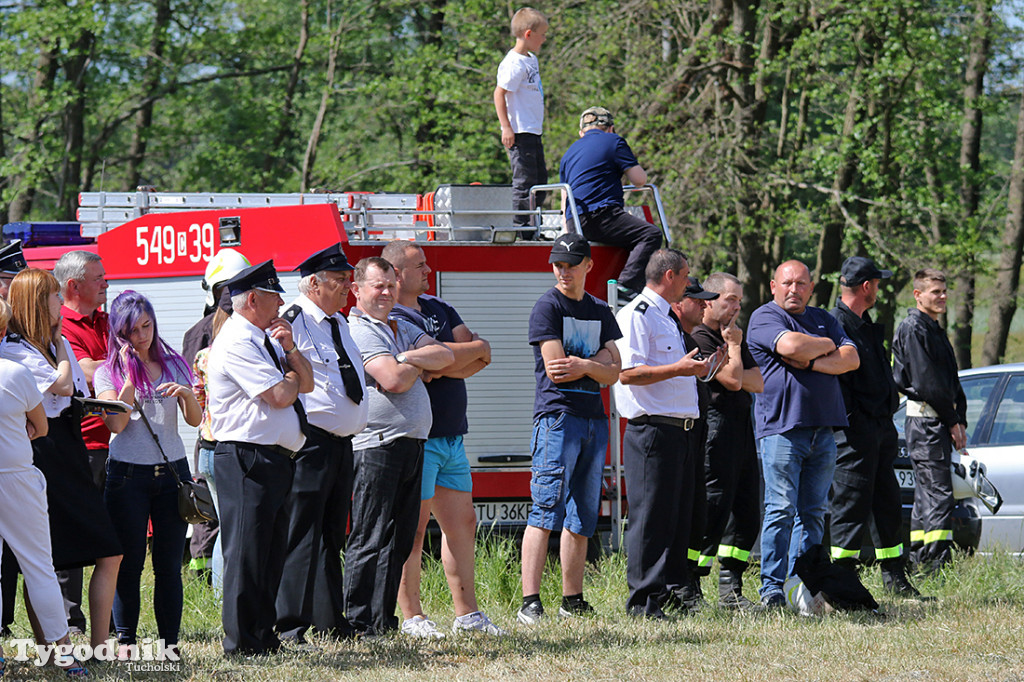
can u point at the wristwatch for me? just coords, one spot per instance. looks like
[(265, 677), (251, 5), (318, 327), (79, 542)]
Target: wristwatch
[(291, 350), (401, 359)]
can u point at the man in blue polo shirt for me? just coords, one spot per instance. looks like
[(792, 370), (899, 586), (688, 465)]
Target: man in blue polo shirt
[(800, 350), (593, 167)]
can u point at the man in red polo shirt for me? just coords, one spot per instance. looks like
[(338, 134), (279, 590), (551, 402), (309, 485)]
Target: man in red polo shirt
[(84, 287)]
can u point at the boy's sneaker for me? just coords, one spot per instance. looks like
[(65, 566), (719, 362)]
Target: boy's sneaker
[(574, 608), (773, 600), (476, 622), (531, 614), (420, 626)]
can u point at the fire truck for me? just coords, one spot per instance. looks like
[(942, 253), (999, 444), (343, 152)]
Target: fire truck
[(159, 243)]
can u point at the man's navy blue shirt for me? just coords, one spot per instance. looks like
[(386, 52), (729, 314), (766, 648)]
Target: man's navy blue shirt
[(593, 167), (793, 398), (447, 396), (583, 327)]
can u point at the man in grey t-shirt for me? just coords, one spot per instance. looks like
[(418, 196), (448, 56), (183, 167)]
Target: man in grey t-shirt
[(388, 453)]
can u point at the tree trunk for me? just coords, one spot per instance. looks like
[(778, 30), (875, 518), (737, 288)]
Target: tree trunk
[(309, 160), (830, 242), (1004, 298), (284, 124), (23, 183), (151, 82), (970, 183), (80, 53)]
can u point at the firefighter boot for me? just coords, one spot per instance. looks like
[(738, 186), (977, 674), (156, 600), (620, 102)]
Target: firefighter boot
[(730, 591), (688, 599), (894, 580)]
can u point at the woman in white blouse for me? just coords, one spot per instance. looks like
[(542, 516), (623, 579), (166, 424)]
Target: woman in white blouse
[(24, 524), (81, 533)]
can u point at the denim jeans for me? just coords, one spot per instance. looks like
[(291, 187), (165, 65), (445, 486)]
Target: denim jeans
[(135, 494), (797, 466), (565, 484), (205, 469)]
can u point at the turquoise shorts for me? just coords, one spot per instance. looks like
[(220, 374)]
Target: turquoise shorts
[(445, 464)]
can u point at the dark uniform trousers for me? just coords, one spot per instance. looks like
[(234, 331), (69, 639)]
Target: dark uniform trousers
[(253, 482), (658, 467), (930, 447), (385, 513), (317, 511), (699, 514), (864, 487), (732, 476), (612, 225)]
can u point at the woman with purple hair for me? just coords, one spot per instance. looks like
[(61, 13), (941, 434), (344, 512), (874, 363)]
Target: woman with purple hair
[(144, 371)]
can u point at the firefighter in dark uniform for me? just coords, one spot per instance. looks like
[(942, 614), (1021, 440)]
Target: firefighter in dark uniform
[(730, 468), (864, 484), (925, 369)]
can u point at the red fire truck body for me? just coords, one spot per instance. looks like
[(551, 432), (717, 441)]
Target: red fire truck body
[(493, 286)]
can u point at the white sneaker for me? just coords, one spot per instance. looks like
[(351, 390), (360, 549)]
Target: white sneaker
[(419, 626), (477, 622)]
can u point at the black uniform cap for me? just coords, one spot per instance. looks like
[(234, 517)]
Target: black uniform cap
[(12, 260), (695, 290), (332, 259), (859, 269), (262, 277)]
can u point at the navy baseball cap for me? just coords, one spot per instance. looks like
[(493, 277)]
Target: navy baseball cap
[(12, 260), (570, 248), (695, 290), (332, 259), (859, 269), (262, 277)]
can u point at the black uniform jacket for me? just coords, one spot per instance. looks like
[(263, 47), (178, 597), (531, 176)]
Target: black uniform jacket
[(924, 367), (870, 389)]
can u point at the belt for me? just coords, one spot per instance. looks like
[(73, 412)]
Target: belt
[(685, 424), (324, 433), (290, 454), (917, 408)]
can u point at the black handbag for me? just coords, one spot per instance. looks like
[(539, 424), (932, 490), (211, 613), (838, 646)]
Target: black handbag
[(195, 503)]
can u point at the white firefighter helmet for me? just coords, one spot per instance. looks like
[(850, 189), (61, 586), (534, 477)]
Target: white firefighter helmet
[(970, 479), (223, 266)]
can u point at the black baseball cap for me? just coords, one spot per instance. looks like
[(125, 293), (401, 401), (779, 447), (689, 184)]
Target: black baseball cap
[(695, 290), (262, 277), (12, 260), (332, 259), (570, 248), (859, 269)]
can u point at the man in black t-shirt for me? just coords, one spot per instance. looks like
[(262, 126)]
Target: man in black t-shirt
[(573, 337), (730, 459), (446, 488)]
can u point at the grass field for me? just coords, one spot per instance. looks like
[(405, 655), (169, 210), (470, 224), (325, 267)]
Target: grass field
[(974, 631)]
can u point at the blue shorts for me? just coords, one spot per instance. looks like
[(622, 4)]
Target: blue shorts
[(445, 464), (569, 453)]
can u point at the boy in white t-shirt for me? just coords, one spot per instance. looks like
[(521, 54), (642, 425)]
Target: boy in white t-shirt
[(519, 101)]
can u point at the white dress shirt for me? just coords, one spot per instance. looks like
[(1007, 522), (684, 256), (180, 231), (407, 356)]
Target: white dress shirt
[(650, 337), (238, 371), (328, 407), (45, 374)]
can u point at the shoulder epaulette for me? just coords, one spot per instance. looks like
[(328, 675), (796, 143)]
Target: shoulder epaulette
[(642, 307), (13, 337), (292, 312)]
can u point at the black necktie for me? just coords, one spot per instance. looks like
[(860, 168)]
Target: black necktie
[(349, 376), (299, 410)]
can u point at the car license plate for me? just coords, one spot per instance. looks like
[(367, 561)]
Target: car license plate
[(501, 513), (905, 477)]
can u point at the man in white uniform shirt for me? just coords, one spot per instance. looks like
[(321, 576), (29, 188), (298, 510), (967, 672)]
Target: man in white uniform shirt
[(657, 394), (255, 375), (317, 506)]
